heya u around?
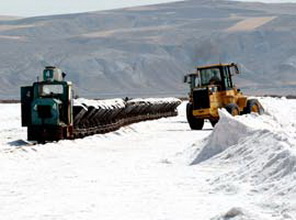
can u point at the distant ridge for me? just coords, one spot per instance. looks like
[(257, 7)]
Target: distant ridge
[(145, 51), (7, 18)]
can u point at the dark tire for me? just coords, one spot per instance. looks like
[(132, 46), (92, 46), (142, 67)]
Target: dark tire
[(214, 122), (194, 123), (253, 105), (233, 109)]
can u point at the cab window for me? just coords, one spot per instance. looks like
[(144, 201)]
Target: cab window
[(47, 90), (210, 76), (227, 77)]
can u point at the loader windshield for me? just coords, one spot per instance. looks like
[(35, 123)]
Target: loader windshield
[(210, 76)]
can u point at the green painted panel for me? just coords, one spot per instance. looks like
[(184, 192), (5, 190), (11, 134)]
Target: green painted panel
[(45, 111)]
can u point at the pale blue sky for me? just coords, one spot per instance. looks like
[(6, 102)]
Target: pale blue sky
[(48, 7), (27, 8)]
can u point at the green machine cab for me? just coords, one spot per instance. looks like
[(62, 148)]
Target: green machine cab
[(46, 107)]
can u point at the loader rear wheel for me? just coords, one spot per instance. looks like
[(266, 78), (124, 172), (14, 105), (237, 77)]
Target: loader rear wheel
[(232, 109), (253, 105), (194, 123)]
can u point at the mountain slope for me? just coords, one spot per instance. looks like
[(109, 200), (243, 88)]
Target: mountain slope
[(145, 51)]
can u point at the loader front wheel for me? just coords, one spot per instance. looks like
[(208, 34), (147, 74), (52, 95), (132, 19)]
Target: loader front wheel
[(253, 105), (232, 109), (194, 123)]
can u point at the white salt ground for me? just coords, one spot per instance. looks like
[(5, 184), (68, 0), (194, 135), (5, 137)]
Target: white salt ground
[(243, 169)]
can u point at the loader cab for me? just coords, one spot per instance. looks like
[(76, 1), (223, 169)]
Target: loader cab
[(215, 77), (205, 79), (211, 88)]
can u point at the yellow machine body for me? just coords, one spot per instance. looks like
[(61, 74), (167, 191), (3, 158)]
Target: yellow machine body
[(211, 88)]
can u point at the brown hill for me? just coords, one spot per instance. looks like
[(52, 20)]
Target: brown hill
[(145, 51)]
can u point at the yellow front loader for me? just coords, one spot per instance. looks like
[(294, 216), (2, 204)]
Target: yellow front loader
[(211, 88)]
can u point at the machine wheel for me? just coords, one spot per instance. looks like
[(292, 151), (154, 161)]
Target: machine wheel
[(233, 109), (214, 122), (253, 105), (194, 123)]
